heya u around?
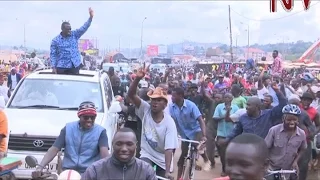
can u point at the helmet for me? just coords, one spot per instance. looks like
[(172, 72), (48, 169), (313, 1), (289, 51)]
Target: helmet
[(291, 109)]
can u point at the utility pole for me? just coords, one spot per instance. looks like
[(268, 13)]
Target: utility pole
[(129, 48), (141, 39), (248, 46), (237, 46), (24, 36), (231, 52), (119, 43), (248, 40)]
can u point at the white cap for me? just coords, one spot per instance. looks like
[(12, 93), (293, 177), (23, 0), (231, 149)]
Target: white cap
[(144, 84), (315, 89)]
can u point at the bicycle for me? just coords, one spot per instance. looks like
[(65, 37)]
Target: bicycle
[(280, 174), (189, 163), (316, 164), (161, 178), (32, 162)]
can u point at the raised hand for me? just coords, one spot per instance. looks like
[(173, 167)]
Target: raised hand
[(91, 13), (142, 72)]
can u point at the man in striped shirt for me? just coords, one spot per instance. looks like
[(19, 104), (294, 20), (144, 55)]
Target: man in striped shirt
[(64, 53)]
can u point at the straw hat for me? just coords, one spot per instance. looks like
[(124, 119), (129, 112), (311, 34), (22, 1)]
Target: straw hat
[(158, 93)]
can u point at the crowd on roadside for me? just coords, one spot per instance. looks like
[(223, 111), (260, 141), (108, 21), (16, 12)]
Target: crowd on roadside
[(282, 108)]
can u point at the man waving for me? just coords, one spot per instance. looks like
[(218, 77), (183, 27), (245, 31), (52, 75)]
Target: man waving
[(64, 53)]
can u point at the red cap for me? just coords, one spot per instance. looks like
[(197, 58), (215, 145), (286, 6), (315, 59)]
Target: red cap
[(87, 111)]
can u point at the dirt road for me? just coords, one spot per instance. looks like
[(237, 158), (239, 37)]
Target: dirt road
[(214, 173), (200, 175)]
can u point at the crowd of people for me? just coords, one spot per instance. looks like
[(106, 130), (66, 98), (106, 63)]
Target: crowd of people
[(216, 108)]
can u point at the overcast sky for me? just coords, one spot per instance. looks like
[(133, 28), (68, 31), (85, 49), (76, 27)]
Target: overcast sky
[(167, 22)]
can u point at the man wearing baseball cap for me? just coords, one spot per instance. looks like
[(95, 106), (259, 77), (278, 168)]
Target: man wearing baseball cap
[(84, 142)]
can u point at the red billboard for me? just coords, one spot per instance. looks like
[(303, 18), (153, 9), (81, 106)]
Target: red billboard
[(152, 50)]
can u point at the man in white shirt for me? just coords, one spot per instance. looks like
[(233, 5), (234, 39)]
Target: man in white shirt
[(37, 61), (159, 137), (3, 89), (316, 102), (83, 60)]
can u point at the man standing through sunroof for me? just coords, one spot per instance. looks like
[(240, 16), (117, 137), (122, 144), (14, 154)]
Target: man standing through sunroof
[(64, 53)]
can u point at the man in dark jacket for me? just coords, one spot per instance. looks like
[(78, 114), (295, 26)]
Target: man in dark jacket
[(13, 79), (122, 164)]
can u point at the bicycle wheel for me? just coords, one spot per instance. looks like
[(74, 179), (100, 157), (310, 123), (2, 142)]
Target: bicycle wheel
[(185, 172), (192, 166)]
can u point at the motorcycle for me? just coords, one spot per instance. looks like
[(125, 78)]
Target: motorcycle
[(33, 163), (7, 165), (64, 175)]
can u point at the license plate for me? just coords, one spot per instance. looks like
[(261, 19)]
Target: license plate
[(50, 167)]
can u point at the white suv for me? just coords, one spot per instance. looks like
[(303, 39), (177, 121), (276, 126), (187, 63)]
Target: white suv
[(44, 102)]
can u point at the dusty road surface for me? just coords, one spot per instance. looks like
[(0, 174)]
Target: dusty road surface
[(199, 175), (214, 173), (313, 176)]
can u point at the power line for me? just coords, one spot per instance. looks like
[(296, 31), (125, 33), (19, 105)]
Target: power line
[(231, 52), (271, 19)]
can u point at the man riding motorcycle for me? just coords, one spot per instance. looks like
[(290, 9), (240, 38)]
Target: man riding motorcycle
[(83, 141)]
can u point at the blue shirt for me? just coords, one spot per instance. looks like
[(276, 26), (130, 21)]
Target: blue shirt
[(224, 128), (260, 126), (186, 119), (250, 63), (123, 80), (64, 51)]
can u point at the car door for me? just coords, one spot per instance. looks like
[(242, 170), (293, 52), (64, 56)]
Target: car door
[(110, 119)]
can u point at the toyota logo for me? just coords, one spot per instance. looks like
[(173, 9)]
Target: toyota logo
[(38, 143)]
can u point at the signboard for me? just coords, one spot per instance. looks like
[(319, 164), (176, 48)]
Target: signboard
[(152, 50), (94, 52), (85, 44), (162, 49), (287, 5), (159, 60)]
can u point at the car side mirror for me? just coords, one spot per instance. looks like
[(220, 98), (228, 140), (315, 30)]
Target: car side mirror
[(115, 107)]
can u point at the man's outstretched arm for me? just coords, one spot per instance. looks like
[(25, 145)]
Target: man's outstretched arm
[(79, 32)]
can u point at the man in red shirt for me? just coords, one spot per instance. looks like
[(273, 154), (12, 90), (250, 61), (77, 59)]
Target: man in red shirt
[(277, 63)]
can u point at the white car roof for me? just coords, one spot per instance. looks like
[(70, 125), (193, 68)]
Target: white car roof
[(84, 75)]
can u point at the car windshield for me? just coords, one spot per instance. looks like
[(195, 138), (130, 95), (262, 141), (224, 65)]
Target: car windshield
[(124, 69), (106, 66), (60, 94)]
